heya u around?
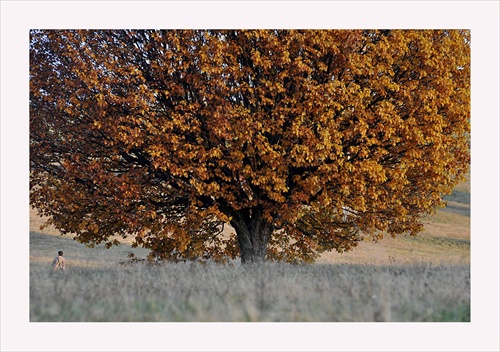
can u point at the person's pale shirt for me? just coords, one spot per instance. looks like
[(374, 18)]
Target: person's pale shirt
[(59, 263)]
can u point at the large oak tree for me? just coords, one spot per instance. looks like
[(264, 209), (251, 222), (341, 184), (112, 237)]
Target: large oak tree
[(303, 140)]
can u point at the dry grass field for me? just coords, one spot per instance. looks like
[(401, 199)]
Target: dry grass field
[(269, 292), (423, 278)]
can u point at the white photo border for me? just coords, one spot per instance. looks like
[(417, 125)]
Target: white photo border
[(18, 334)]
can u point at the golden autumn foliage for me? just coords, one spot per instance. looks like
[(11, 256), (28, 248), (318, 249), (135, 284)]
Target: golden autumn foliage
[(303, 140)]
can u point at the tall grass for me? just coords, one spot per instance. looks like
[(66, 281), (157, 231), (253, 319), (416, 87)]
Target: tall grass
[(273, 292)]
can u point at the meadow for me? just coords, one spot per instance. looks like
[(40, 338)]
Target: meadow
[(404, 279), (271, 292)]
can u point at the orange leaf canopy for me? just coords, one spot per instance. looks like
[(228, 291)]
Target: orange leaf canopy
[(302, 140)]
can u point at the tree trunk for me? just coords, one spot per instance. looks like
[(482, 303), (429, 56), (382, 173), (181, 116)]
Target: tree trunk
[(253, 235)]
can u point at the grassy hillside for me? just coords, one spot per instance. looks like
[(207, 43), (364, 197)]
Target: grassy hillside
[(445, 239)]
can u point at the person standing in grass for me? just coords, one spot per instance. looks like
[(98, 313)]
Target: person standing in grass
[(59, 262)]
